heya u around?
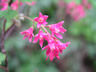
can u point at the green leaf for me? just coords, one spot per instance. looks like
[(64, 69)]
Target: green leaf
[(8, 14), (2, 57), (8, 24)]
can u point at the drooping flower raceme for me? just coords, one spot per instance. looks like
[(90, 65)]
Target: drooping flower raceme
[(55, 46), (70, 7), (77, 11)]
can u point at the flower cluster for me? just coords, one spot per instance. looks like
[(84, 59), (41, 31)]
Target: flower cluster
[(55, 46), (14, 6), (4, 4), (76, 11)]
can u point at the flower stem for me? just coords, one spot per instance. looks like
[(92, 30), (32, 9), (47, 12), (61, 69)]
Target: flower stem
[(28, 18), (44, 28)]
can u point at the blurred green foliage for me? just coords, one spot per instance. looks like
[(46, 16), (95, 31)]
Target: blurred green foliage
[(2, 57)]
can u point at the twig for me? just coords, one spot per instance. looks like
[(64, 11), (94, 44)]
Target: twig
[(2, 38), (2, 45), (2, 67), (28, 18), (9, 30), (44, 29)]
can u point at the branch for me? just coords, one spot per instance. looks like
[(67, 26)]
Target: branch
[(2, 38), (4, 68), (9, 30), (2, 46)]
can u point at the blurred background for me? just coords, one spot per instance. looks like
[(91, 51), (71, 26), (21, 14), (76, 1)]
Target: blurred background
[(80, 56)]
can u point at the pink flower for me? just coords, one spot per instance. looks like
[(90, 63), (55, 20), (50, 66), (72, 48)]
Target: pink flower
[(31, 3), (70, 7), (52, 51), (41, 19), (57, 28), (4, 6), (2, 1), (78, 13), (15, 5), (28, 33), (54, 47), (40, 37), (61, 3), (86, 4)]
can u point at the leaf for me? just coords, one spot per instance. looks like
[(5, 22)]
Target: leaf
[(8, 14), (8, 24), (2, 57)]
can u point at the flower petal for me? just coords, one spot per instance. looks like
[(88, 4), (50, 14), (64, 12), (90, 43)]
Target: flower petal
[(62, 30), (59, 35), (48, 52), (45, 17), (36, 38), (30, 39), (40, 14), (60, 24), (24, 37), (58, 57), (45, 23), (45, 47), (51, 56), (41, 43), (36, 19), (38, 25)]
